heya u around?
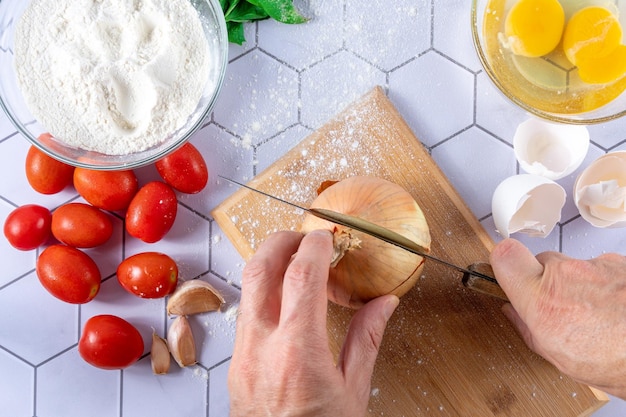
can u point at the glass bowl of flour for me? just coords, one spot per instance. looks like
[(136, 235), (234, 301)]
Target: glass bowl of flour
[(112, 84)]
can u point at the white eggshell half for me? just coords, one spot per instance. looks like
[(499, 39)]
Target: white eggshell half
[(549, 149), (600, 191), (527, 203)]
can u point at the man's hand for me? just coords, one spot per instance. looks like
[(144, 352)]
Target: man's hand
[(282, 364), (571, 312)]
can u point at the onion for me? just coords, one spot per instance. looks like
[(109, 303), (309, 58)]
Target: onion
[(367, 267)]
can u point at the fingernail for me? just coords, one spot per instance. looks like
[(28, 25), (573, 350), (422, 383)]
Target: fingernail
[(321, 232), (390, 306)]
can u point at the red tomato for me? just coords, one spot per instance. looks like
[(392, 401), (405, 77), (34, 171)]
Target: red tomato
[(45, 174), (152, 212), (81, 225), (28, 227), (148, 275), (108, 190), (184, 169), (68, 274), (110, 342)]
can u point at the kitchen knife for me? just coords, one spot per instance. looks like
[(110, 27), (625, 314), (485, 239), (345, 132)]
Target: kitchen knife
[(478, 276)]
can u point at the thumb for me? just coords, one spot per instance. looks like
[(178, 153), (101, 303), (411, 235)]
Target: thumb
[(517, 271), (363, 340)]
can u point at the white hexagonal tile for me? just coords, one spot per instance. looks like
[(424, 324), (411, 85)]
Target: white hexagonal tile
[(34, 324), (408, 29), (351, 78), (224, 155), (22, 261), (304, 44), (583, 241), (181, 392), (222, 248), (461, 159), (452, 32), (192, 260), (219, 400), (144, 314), (250, 33), (610, 134), (432, 85), (96, 392), (259, 97), (269, 152), (7, 128), (17, 391), (494, 112)]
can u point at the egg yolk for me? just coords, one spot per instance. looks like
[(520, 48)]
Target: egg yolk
[(533, 28), (592, 42)]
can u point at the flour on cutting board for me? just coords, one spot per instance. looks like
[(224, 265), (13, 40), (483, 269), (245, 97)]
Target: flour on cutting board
[(114, 77)]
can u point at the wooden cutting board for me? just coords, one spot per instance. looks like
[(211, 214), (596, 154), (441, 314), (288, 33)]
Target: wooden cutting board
[(447, 351)]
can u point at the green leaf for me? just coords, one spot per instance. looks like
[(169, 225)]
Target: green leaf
[(235, 32), (247, 12), (282, 10)]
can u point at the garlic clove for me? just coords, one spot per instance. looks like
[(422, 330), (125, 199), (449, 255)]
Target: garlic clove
[(193, 297), (550, 149), (159, 355), (181, 343), (528, 204), (600, 191)]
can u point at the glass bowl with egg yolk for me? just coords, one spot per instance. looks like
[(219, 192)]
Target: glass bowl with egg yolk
[(564, 61)]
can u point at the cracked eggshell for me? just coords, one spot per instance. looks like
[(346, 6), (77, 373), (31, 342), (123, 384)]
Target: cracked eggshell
[(550, 149), (527, 203), (600, 191)]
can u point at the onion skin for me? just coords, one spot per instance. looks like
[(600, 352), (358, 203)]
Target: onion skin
[(377, 267)]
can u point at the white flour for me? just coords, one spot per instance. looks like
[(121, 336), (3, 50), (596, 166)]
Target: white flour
[(112, 76)]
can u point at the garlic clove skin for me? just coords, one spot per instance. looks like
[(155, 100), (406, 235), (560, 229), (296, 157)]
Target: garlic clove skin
[(600, 191), (194, 297), (549, 149), (370, 267), (527, 203), (159, 355), (181, 343)]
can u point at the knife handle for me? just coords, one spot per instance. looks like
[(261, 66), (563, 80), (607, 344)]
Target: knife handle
[(480, 283)]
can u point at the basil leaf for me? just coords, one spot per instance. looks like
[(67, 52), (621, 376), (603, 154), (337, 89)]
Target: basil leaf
[(247, 12), (282, 10), (235, 32)]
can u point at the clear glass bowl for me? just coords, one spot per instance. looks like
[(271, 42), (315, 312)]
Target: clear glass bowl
[(13, 103), (549, 86)]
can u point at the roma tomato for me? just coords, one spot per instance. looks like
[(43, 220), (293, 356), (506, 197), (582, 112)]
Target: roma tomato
[(81, 225), (110, 342), (108, 190), (152, 212), (45, 174), (27, 227), (184, 169), (148, 275), (68, 274)]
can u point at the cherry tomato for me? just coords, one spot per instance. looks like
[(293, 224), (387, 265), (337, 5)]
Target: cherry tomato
[(68, 274), (148, 275), (110, 342), (184, 169), (45, 174), (108, 190), (81, 225), (152, 212), (28, 227)]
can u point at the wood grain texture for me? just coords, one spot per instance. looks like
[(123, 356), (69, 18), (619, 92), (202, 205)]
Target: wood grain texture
[(447, 351)]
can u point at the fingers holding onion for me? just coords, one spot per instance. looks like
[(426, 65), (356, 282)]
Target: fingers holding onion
[(366, 267)]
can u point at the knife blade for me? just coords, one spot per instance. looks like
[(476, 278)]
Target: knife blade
[(478, 276)]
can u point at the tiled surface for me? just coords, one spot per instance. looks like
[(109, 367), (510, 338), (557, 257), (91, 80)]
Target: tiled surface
[(282, 84)]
